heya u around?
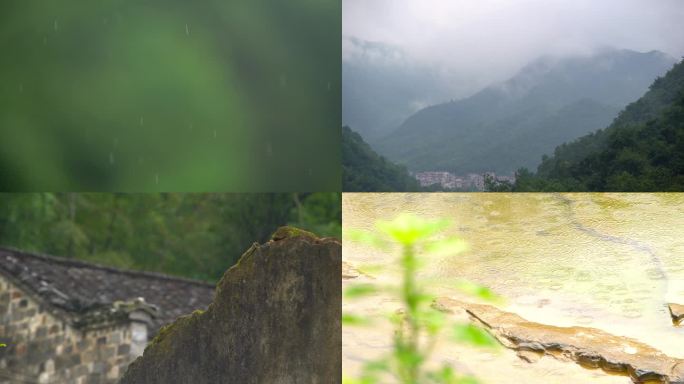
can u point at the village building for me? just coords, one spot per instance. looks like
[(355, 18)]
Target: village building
[(69, 321)]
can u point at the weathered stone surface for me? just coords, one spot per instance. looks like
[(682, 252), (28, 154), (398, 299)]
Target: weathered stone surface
[(43, 347), (589, 347), (677, 313), (275, 318)]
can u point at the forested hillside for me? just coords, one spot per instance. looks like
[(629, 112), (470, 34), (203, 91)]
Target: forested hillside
[(642, 150), (363, 170), (511, 125), (192, 235)]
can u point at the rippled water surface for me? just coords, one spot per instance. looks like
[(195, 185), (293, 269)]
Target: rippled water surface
[(608, 261)]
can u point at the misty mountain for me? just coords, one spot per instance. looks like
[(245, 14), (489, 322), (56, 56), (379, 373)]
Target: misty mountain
[(642, 150), (363, 170), (382, 86), (512, 124)]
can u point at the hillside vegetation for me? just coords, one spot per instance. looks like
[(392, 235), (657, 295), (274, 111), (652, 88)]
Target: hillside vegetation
[(642, 150), (363, 170), (511, 125), (185, 234)]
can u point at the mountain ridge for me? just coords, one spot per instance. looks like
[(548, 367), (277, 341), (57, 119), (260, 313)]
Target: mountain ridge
[(641, 150), (449, 135)]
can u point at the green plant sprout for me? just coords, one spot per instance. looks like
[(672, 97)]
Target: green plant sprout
[(2, 345), (417, 326)]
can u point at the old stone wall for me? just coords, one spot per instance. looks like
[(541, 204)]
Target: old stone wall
[(43, 348), (275, 319)]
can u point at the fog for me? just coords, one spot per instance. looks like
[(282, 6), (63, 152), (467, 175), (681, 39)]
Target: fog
[(484, 41)]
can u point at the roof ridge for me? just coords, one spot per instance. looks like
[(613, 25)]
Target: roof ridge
[(82, 263)]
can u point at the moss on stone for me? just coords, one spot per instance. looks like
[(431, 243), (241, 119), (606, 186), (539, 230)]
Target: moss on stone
[(288, 232), (174, 327), (276, 289)]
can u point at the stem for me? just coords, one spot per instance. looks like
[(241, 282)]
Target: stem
[(410, 298)]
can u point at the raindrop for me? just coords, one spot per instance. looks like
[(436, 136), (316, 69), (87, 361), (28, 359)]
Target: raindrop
[(111, 158), (56, 25), (269, 149), (214, 133), (283, 81), (329, 86), (44, 40), (142, 121), (190, 126), (156, 178), (21, 87), (187, 30)]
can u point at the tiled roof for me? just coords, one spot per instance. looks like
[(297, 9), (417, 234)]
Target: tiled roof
[(79, 288)]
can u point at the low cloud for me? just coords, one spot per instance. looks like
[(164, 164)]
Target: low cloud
[(491, 39)]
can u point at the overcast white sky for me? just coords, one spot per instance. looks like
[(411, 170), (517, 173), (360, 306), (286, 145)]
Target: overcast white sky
[(494, 38)]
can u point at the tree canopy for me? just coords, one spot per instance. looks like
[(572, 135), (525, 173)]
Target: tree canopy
[(363, 170), (642, 150), (192, 235)]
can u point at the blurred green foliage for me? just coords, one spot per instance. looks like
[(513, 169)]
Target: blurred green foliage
[(418, 326), (192, 235), (151, 95)]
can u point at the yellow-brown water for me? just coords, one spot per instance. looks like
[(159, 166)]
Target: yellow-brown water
[(608, 261)]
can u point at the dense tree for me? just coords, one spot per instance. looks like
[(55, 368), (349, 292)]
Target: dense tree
[(193, 235), (642, 150), (363, 170)]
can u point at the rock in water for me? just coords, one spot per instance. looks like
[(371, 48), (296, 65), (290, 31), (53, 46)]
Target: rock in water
[(589, 347), (677, 313), (275, 318)]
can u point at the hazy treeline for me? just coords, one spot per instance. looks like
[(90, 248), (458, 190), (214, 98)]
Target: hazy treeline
[(363, 170), (192, 235), (642, 150)]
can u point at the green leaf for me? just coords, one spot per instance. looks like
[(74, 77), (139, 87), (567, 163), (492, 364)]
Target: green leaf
[(407, 357), (423, 297), (470, 334), (432, 320), (477, 290), (2, 345), (370, 269), (372, 371), (408, 229), (447, 375), (446, 247), (350, 319), (360, 290)]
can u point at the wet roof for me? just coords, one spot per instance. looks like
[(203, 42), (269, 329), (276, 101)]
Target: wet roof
[(80, 288)]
